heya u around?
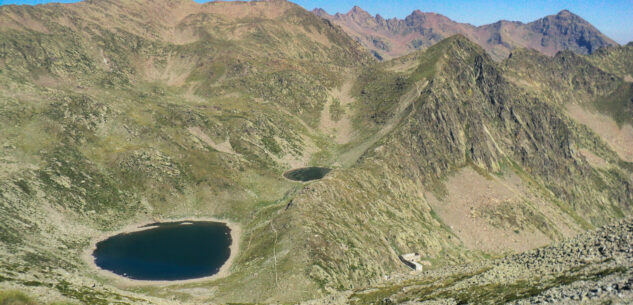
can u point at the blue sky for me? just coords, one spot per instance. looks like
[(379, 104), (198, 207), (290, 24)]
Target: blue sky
[(614, 18)]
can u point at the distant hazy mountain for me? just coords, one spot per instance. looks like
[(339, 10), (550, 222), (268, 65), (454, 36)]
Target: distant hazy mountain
[(388, 38)]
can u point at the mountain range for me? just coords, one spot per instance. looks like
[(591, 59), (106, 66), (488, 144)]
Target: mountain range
[(115, 113), (389, 38)]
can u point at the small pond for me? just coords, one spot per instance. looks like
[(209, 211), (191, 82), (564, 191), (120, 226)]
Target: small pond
[(307, 173), (167, 251)]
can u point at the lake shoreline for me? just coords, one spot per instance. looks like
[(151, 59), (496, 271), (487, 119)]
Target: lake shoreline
[(118, 280)]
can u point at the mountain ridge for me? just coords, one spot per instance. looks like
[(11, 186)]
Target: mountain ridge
[(395, 37)]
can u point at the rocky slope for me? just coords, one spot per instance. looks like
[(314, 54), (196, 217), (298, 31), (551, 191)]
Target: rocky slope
[(389, 38), (122, 112), (592, 268)]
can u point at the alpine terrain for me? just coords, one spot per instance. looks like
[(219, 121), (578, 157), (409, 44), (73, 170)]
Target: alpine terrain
[(505, 163)]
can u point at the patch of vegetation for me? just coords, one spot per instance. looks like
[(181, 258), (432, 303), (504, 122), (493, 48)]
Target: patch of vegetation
[(417, 43), (271, 145), (33, 283), (380, 43), (379, 91), (618, 105), (91, 296), (24, 186), (504, 293), (427, 63), (517, 215), (70, 174), (299, 93), (390, 294), (15, 298), (336, 110)]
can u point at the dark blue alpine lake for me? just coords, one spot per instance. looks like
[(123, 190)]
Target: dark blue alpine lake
[(167, 251)]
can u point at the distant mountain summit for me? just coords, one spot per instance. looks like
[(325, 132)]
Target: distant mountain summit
[(394, 37), (567, 31)]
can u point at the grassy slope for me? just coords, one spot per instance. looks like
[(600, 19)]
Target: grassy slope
[(104, 126)]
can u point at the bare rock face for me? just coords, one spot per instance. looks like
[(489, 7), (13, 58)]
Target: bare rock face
[(563, 31), (567, 31)]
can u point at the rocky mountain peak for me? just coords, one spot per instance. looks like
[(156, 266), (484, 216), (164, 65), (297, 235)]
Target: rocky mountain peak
[(565, 13), (568, 31), (356, 10), (563, 31), (320, 12)]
